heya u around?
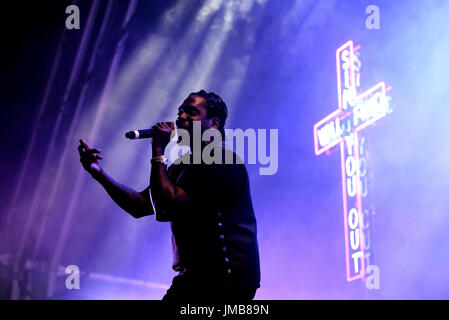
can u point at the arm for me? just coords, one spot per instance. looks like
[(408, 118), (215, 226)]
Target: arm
[(170, 200), (209, 187), (137, 204)]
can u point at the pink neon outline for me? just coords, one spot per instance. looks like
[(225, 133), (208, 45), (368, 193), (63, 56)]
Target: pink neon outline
[(380, 85), (362, 272), (359, 204), (349, 44), (341, 141), (315, 133), (345, 208)]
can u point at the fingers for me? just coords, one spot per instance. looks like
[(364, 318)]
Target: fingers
[(81, 150), (164, 126), (84, 144), (171, 125), (91, 157), (156, 127), (82, 147), (84, 150), (92, 151), (159, 127)]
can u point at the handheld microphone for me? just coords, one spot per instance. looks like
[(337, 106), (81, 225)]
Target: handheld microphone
[(139, 134)]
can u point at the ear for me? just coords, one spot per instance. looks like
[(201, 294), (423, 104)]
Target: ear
[(214, 122)]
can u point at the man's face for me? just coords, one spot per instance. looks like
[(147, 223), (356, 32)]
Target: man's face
[(193, 109)]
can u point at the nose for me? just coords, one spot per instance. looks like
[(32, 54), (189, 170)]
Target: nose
[(181, 114), (181, 118)]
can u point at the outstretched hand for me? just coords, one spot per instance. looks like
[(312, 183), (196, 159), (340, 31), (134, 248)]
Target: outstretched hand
[(89, 158)]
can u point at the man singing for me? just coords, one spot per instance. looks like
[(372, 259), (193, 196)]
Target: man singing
[(208, 207)]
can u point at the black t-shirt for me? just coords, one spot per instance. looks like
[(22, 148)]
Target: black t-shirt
[(219, 240)]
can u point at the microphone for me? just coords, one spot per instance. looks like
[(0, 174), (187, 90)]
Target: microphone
[(139, 134)]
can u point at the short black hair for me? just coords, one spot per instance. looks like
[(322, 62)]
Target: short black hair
[(216, 107)]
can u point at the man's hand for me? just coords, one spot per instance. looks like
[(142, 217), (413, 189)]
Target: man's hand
[(161, 137), (89, 158)]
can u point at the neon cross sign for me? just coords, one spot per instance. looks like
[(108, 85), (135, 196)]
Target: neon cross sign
[(355, 112)]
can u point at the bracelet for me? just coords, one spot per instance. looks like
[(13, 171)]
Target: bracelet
[(160, 159)]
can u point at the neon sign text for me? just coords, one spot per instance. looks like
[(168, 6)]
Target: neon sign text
[(342, 127)]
